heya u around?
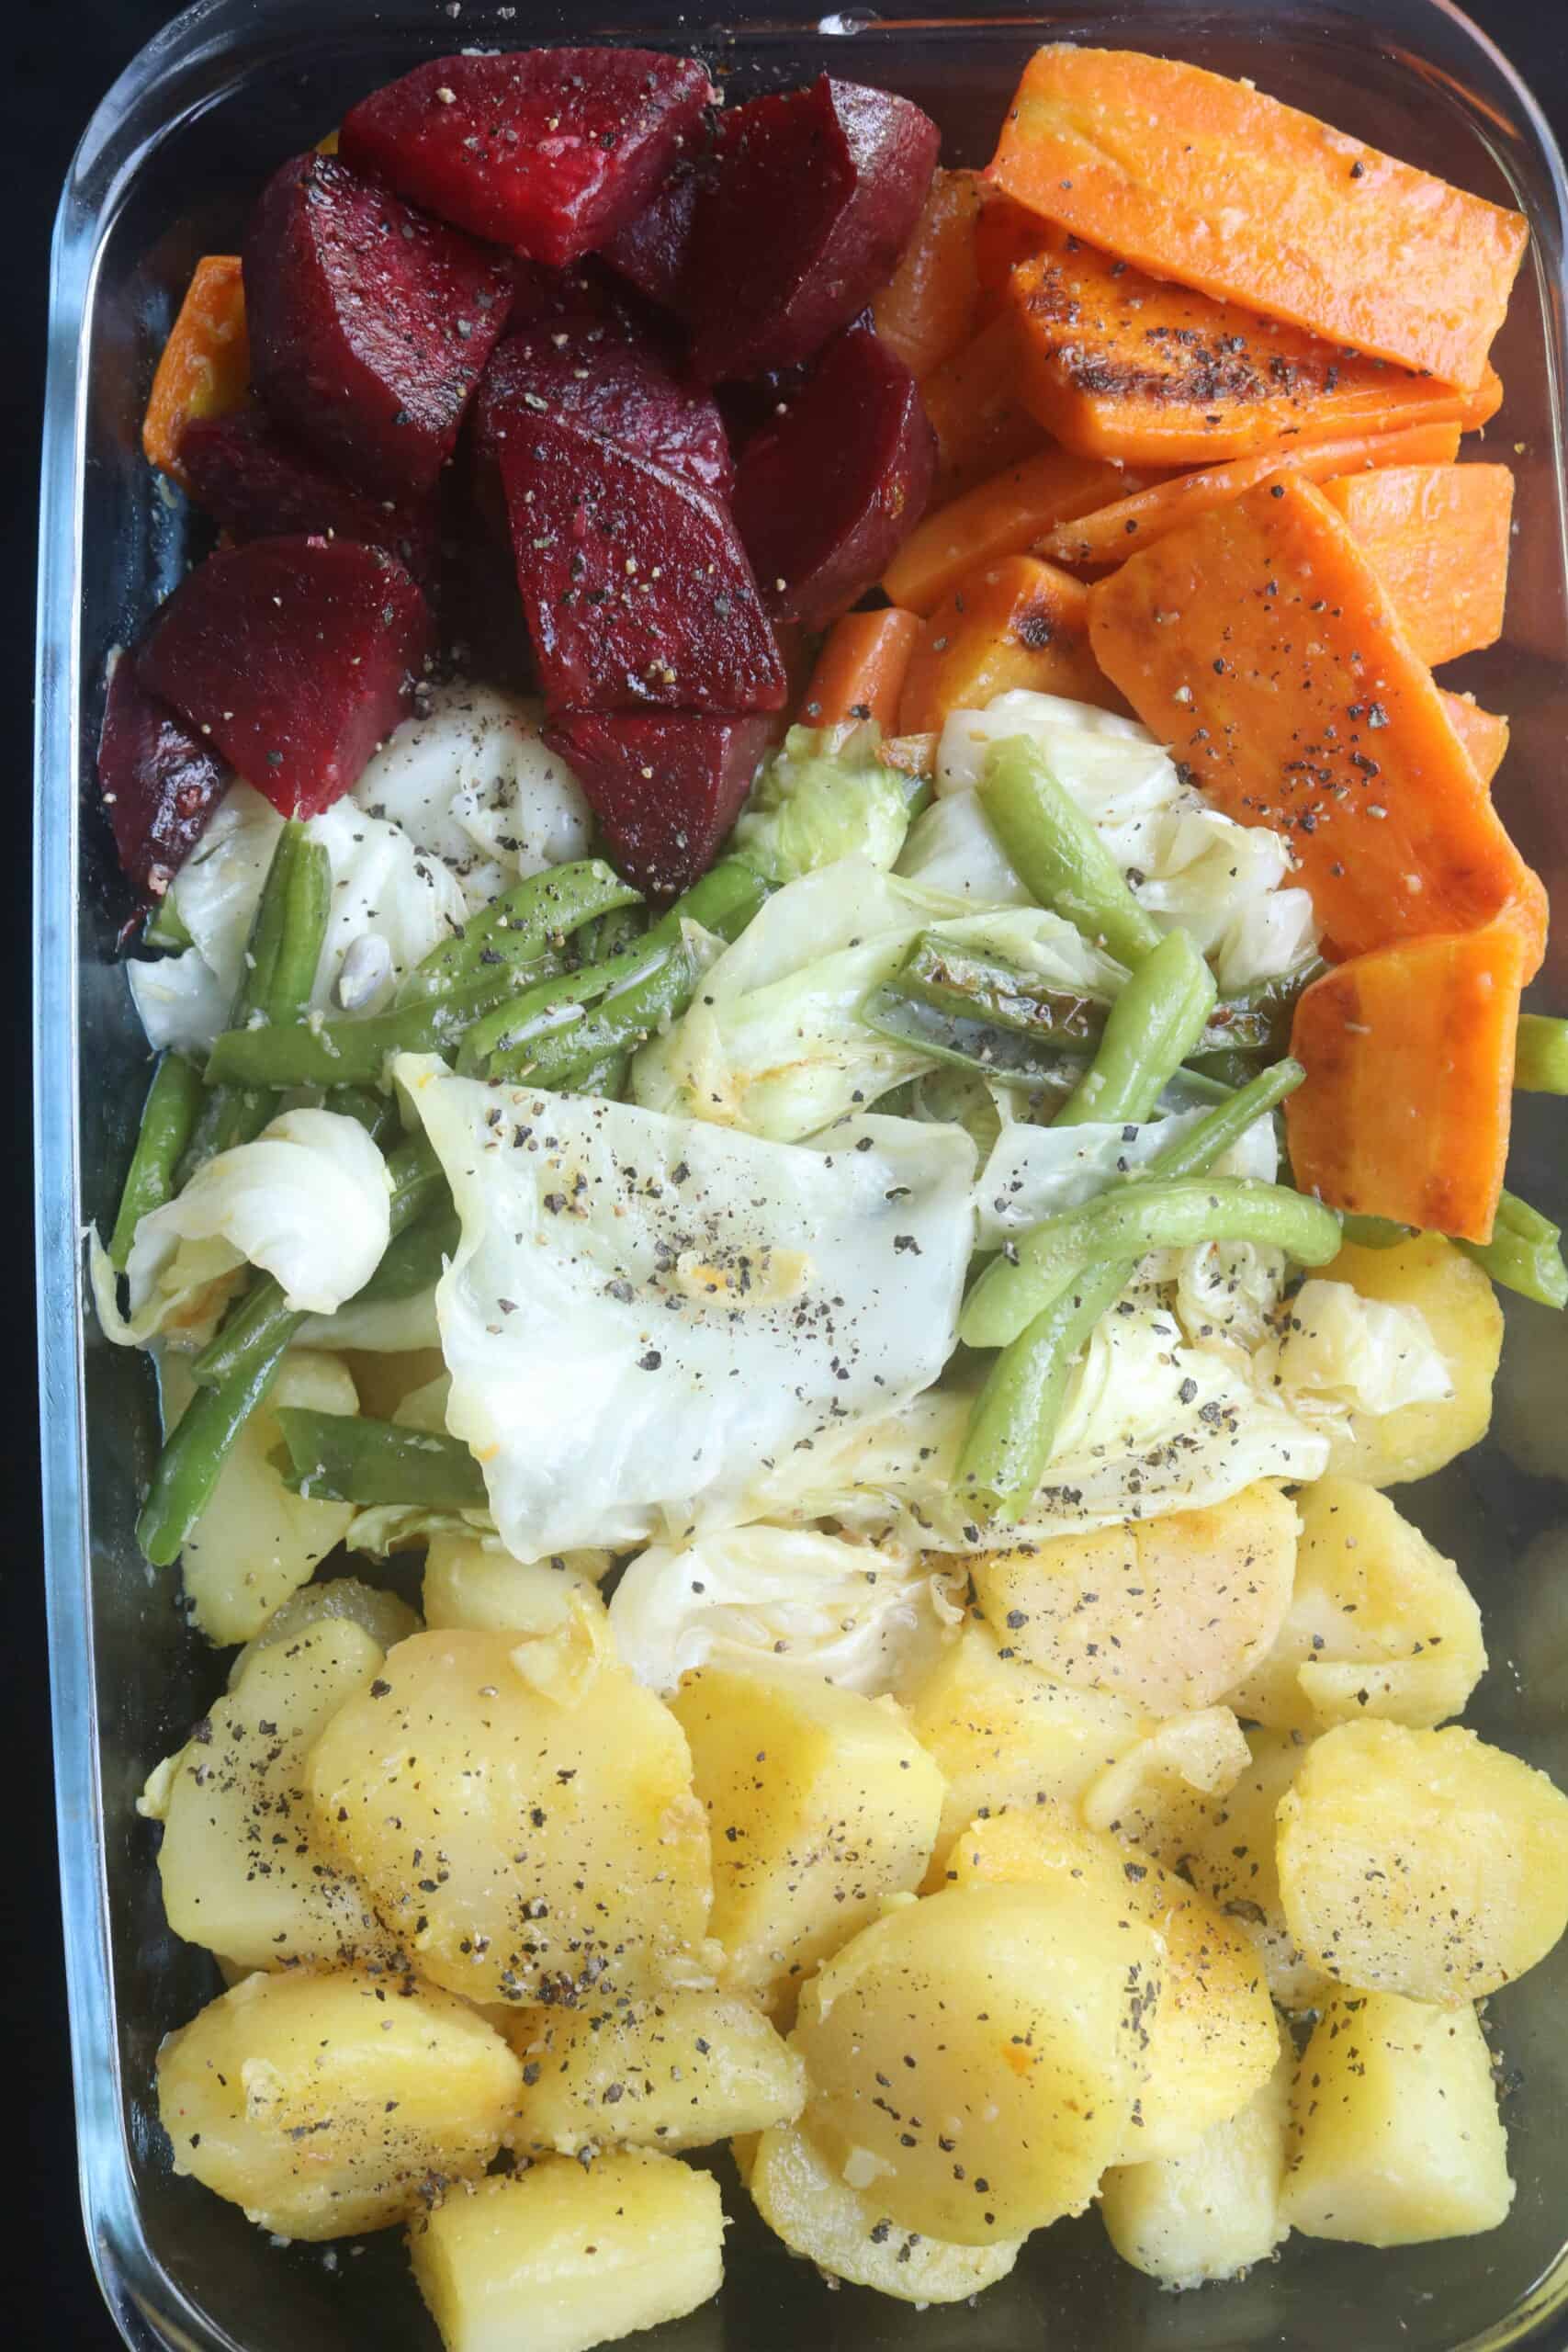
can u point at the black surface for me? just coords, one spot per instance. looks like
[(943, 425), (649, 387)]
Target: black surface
[(61, 56)]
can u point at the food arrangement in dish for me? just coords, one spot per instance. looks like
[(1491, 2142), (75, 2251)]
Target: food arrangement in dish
[(835, 1009)]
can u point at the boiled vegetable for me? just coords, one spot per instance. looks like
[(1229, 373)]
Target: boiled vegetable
[(257, 481), (1483, 733), (1438, 538), (861, 669), (159, 780), (1006, 514), (204, 370), (930, 304), (1056, 852), (1016, 623), (665, 787), (1540, 1055), (978, 413)]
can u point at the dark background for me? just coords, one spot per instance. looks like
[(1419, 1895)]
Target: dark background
[(60, 57)]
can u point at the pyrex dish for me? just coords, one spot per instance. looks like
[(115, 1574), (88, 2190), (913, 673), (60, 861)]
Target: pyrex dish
[(165, 173)]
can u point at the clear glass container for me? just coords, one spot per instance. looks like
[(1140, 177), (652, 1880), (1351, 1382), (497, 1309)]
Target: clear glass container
[(167, 168)]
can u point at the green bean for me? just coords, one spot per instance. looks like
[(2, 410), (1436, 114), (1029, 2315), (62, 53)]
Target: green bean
[(168, 1116), (354, 1051), (1232, 1069), (1524, 1253), (985, 988), (1375, 1232), (377, 1114), (340, 1457), (1013, 1425), (195, 1451), (1540, 1059), (1195, 1152), (413, 1261), (1150, 1030), (560, 1057), (724, 901), (548, 1006), (520, 926), (606, 1077), (999, 1055), (608, 935), (1058, 855)]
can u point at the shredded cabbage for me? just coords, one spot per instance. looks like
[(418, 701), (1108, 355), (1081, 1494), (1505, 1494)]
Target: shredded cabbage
[(1333, 1353), (822, 797), (1035, 1172)]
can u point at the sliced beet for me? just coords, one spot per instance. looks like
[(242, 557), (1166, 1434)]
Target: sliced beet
[(600, 374), (826, 493), (665, 789), (653, 251), (258, 483), (548, 149), (370, 323), (635, 583), (815, 196), (160, 781), (295, 657)]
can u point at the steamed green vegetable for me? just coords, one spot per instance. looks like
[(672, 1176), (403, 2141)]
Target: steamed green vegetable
[(1524, 1253), (1058, 854), (824, 794), (1154, 1025), (196, 1449), (1013, 1425), (168, 1118), (521, 926), (339, 1457), (1541, 1058)]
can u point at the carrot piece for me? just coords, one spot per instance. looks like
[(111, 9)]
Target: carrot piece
[(1206, 180), (1409, 1061), (1002, 516), (859, 671), (1117, 365), (1016, 623), (1438, 538), (980, 423), (1260, 643), (931, 303), (1483, 733), (205, 367), (1096, 542), (1006, 235)]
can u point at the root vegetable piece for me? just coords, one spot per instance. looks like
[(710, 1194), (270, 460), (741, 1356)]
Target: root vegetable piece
[(635, 583), (370, 324), (824, 497), (813, 196), (1483, 733), (653, 251), (1438, 538), (807, 2202), (1018, 623), (159, 781), (1232, 1860), (1006, 236), (1278, 669), (679, 2071), (295, 657), (204, 370), (258, 483), (599, 374), (1213, 2212), (861, 669), (931, 303), (1206, 180), (666, 789), (1456, 1301), (1159, 1795), (1004, 515), (548, 149), (978, 413)]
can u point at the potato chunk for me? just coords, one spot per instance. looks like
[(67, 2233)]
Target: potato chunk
[(327, 2103), (1398, 2137), (1422, 1862), (1214, 2210), (560, 2259), (820, 1802), (1166, 1612), (678, 2072), (521, 1817), (845, 2232), (1159, 1795), (973, 2057), (472, 1587), (382, 1615), (1231, 1856), (1379, 1623), (1464, 1318)]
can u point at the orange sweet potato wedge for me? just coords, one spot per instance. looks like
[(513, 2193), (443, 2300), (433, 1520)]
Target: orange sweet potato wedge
[(205, 367), (1409, 1060), (1002, 516), (861, 671), (1006, 235), (980, 423), (1117, 365), (1016, 623), (1096, 542), (931, 305), (1260, 643), (1438, 538), (1483, 733), (1206, 180)]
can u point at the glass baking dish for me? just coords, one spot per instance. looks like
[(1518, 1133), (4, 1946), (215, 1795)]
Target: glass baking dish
[(165, 172)]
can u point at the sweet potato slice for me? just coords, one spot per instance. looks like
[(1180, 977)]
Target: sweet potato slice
[(1117, 365), (1483, 733), (861, 671), (548, 149), (1206, 180), (370, 323), (1016, 623), (1259, 643), (666, 787), (257, 482), (1006, 236), (1438, 538), (1096, 542), (204, 370), (294, 658), (1409, 1057), (931, 303), (159, 780), (825, 494), (978, 413), (595, 369), (1005, 516)]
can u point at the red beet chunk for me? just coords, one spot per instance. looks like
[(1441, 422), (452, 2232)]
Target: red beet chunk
[(635, 583), (665, 790), (257, 482), (549, 150), (600, 375), (815, 197), (370, 323), (826, 493), (295, 657), (160, 781)]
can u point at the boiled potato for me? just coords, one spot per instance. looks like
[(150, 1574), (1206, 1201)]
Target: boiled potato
[(1464, 1319), (1166, 1612), (479, 1588), (384, 1380), (256, 1542), (680, 2071), (1422, 1862), (1232, 1859), (1397, 2135), (383, 1616), (845, 2232), (819, 1803), (244, 1870), (327, 2102), (973, 2057), (1214, 2210), (1160, 1794), (559, 2259), (1002, 1735), (1379, 1623), (528, 1837)]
